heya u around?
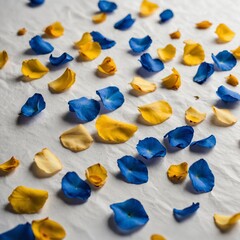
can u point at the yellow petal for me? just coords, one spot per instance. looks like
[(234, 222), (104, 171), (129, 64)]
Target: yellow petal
[(224, 223), (47, 229), (236, 52), (47, 163), (232, 80), (224, 33), (86, 38), (21, 31), (113, 131), (224, 116), (27, 200), (90, 51), (9, 165), (203, 25), (193, 116), (156, 112), (76, 139), (3, 58), (177, 173), (141, 85), (175, 35), (99, 17), (167, 53), (157, 237), (96, 175), (55, 30), (33, 69), (193, 53), (64, 82), (147, 8), (108, 66), (173, 81)]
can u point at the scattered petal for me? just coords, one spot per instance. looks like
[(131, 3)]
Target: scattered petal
[(86, 109), (225, 61), (150, 64), (167, 53), (205, 70), (113, 131), (203, 25), (111, 97), (105, 43), (193, 116), (236, 52), (9, 165), (173, 81), (129, 215), (224, 33), (180, 137), (227, 95), (201, 176), (232, 80), (141, 85), (86, 38), (3, 59), (96, 175), (225, 223), (150, 147), (90, 51), (36, 2), (182, 214), (208, 142), (107, 6), (57, 61), (139, 45), (147, 8), (124, 23), (64, 82), (156, 112), (175, 35), (166, 15), (74, 187), (177, 173), (133, 170), (21, 31), (39, 46), (224, 116), (27, 200), (157, 237), (108, 66), (99, 17), (76, 139), (55, 30)]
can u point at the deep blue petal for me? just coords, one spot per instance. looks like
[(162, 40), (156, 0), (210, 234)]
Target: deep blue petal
[(74, 187), (133, 170), (57, 61), (129, 215), (182, 214), (39, 46), (105, 43), (224, 60), (20, 232), (150, 147), (85, 109), (111, 97), (166, 15), (208, 142), (124, 23), (150, 64), (201, 176), (36, 2), (139, 45), (180, 137), (205, 70), (106, 6), (33, 105), (227, 95)]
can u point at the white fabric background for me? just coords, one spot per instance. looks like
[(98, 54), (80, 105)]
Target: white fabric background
[(159, 196)]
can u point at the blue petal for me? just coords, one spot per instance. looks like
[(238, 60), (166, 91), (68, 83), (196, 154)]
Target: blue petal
[(36, 2), (133, 170), (111, 97), (224, 60), (20, 232), (182, 214), (208, 142), (201, 176), (205, 70), (106, 6), (129, 215), (33, 105), (139, 45), (105, 43), (150, 147), (57, 61), (150, 64), (39, 46), (166, 15), (124, 23), (85, 109), (74, 187), (180, 137), (227, 95)]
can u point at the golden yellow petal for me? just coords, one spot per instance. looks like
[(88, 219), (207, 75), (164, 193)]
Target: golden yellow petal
[(55, 30), (193, 116), (157, 237), (167, 53), (47, 163), (27, 200), (224, 223), (232, 80), (47, 229), (114, 131), (108, 66), (3, 58), (33, 69), (64, 82), (76, 139), (177, 173), (147, 8), (99, 17), (21, 31), (224, 116), (96, 175), (9, 165), (86, 38), (175, 35), (224, 33), (141, 85), (236, 52), (156, 112), (203, 25), (90, 51), (173, 81)]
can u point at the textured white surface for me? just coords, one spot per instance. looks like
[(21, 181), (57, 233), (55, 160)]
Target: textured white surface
[(159, 196)]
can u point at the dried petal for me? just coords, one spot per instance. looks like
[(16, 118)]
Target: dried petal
[(225, 223), (21, 31), (232, 80), (203, 25), (108, 66), (193, 116), (167, 53), (177, 173), (9, 165), (3, 58), (224, 116), (173, 81), (99, 17), (224, 33), (55, 30), (141, 85), (147, 8), (175, 35)]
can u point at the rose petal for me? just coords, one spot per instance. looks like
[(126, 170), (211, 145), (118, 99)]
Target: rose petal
[(177, 173), (147, 8), (225, 223), (141, 85), (236, 52), (107, 6), (150, 64), (39, 46), (139, 45), (182, 214), (175, 35), (105, 43), (62, 59), (173, 81), (108, 66), (9, 165), (124, 23), (203, 25), (166, 15), (157, 237), (224, 61), (227, 95), (205, 70), (3, 58), (224, 33), (208, 142), (90, 51), (167, 53), (224, 116), (55, 30), (36, 2), (86, 38), (193, 116), (232, 80), (99, 17)]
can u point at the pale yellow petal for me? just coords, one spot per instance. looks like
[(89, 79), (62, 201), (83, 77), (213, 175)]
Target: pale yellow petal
[(225, 223), (224, 33), (167, 53), (147, 8), (175, 35), (86, 38), (173, 81), (177, 173), (99, 17), (157, 237), (55, 30), (9, 165), (90, 51), (236, 52), (107, 67), (232, 80), (193, 116), (203, 25), (224, 116), (141, 85)]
